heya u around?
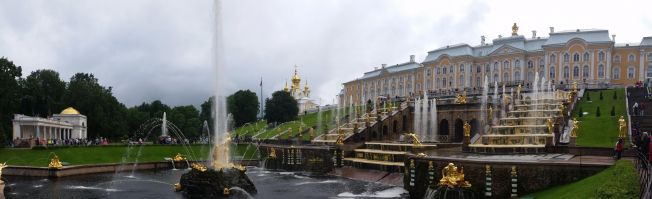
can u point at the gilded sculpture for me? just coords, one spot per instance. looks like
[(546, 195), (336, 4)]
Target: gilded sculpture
[(551, 125), (452, 177), (563, 110), (622, 127), (178, 157), (2, 166), (461, 99), (413, 137), (514, 30), (575, 127), (340, 137), (467, 129), (272, 153), (518, 90), (55, 163)]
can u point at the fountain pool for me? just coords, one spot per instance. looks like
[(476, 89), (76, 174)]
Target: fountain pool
[(159, 184)]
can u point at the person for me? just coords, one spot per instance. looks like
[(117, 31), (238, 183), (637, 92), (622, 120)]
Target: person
[(635, 108), (619, 148), (642, 109)]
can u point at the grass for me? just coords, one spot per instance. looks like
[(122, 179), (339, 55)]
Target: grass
[(110, 154), (618, 181), (303, 121), (599, 131)]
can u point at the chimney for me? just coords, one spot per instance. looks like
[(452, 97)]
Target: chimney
[(482, 40), (534, 34), (613, 37), (383, 66), (411, 58), (552, 29)]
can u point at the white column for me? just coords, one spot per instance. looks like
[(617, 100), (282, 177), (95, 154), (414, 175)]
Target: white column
[(608, 71), (16, 132), (641, 66), (593, 68)]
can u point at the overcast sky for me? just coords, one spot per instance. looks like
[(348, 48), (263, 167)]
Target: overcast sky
[(155, 49)]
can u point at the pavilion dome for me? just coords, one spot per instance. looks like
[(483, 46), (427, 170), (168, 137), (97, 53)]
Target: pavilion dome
[(70, 111)]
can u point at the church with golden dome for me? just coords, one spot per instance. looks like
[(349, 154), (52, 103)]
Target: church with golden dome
[(69, 124), (301, 95)]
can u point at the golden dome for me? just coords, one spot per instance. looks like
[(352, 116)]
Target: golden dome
[(70, 111), (295, 77)]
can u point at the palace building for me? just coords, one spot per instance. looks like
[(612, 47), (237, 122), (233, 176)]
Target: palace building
[(68, 124), (590, 57), (301, 95)]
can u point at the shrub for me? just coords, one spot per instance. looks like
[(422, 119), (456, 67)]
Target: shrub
[(579, 114), (615, 96), (597, 112), (588, 96), (601, 97), (613, 110)]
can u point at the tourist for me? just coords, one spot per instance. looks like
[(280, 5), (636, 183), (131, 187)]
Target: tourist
[(635, 108), (619, 148), (642, 109)]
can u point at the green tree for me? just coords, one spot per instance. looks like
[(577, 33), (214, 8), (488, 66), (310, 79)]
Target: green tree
[(588, 96), (106, 116), (282, 107), (615, 95), (581, 113), (9, 94), (43, 92), (206, 113), (597, 112), (613, 110), (244, 106), (186, 118), (601, 97)]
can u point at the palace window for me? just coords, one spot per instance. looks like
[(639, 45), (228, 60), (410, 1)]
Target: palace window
[(505, 77), (477, 82), (461, 81), (649, 70), (400, 89), (630, 72), (601, 71), (438, 82), (444, 83), (506, 65), (616, 73), (450, 69), (576, 72), (495, 66), (542, 73), (517, 75), (461, 67), (585, 71), (541, 63), (400, 79), (487, 68), (496, 77), (566, 72), (428, 72), (553, 58), (617, 59), (478, 69), (530, 76), (601, 56), (631, 58), (444, 70), (517, 64), (576, 57), (410, 78), (552, 72), (566, 57), (530, 64), (586, 57), (649, 57)]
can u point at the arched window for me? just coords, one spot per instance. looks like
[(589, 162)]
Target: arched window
[(576, 72), (517, 64), (566, 72), (444, 83), (542, 73), (461, 67), (649, 57), (601, 71), (576, 57), (631, 58), (461, 81), (649, 71), (617, 59), (601, 56), (505, 77), (630, 72), (530, 64), (496, 77), (585, 71), (530, 76), (616, 73), (450, 69), (553, 58), (586, 57), (517, 75), (566, 57), (552, 72), (487, 68), (506, 65), (495, 66), (541, 63), (478, 69), (438, 82), (428, 72), (477, 82), (443, 69)]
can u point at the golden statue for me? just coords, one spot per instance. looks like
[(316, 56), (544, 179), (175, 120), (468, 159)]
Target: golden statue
[(487, 168), (430, 165), (518, 90), (226, 191), (551, 125), (467, 129), (272, 153), (177, 187), (311, 132), (514, 173), (411, 163), (563, 110), (178, 157), (300, 130), (574, 87), (2, 166), (340, 137), (461, 98), (413, 137), (622, 127), (491, 114), (575, 126), (452, 178), (55, 163), (514, 30), (199, 167)]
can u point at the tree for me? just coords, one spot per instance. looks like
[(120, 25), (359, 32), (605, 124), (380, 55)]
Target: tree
[(282, 107), (597, 112), (9, 94), (613, 110), (615, 95), (186, 118), (207, 113), (43, 92), (581, 113), (601, 97), (244, 106), (588, 96)]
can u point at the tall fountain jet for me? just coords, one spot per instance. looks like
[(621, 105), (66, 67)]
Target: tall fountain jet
[(164, 126), (220, 156)]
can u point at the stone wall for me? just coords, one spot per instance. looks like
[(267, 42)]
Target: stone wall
[(298, 158), (531, 176)]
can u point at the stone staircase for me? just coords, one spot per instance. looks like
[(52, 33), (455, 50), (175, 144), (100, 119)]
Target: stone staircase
[(384, 156)]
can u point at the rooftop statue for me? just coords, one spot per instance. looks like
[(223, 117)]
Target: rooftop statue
[(452, 177), (514, 30)]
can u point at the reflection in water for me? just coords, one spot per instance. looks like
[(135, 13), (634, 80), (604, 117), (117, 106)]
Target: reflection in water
[(159, 185)]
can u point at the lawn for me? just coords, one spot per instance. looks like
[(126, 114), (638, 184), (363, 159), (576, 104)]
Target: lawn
[(305, 121), (599, 131), (618, 181), (110, 154)]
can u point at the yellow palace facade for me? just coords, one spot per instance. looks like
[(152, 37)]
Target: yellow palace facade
[(590, 57)]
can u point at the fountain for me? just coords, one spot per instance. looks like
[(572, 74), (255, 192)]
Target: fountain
[(2, 183), (223, 175), (164, 127)]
